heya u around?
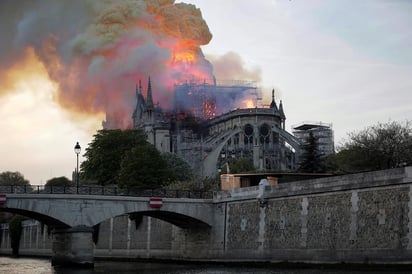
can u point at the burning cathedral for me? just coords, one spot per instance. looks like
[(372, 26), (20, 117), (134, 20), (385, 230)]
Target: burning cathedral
[(115, 43), (209, 130)]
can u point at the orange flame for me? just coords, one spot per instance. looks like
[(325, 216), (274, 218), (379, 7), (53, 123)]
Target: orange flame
[(184, 57), (248, 103)]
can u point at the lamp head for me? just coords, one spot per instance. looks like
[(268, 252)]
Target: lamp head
[(77, 148)]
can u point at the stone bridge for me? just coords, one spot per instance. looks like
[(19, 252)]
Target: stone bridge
[(73, 217), (353, 218), (71, 210)]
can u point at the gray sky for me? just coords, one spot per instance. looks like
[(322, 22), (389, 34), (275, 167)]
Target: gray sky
[(348, 63)]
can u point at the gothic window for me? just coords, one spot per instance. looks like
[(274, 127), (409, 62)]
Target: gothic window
[(248, 130), (236, 139), (268, 164), (275, 138), (264, 134)]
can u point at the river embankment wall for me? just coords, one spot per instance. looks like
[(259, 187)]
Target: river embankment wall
[(357, 218)]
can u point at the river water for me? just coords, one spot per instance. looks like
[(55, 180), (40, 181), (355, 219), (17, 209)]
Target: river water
[(42, 266)]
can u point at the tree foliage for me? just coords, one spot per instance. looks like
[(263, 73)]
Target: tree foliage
[(104, 154), (240, 165), (311, 160), (204, 184), (9, 178), (125, 158), (59, 181), (143, 167), (178, 168), (380, 146), (12, 178)]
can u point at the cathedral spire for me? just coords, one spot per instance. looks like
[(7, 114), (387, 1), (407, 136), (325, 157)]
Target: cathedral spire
[(139, 108), (273, 104), (282, 114), (149, 98)]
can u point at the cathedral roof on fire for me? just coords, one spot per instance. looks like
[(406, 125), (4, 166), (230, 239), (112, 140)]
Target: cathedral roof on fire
[(147, 113)]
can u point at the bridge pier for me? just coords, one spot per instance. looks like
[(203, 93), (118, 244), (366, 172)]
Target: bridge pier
[(73, 247)]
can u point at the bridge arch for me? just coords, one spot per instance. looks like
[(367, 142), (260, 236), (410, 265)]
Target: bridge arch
[(71, 210), (43, 218), (180, 220)]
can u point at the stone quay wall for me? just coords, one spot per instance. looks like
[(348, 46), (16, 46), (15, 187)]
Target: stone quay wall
[(357, 218)]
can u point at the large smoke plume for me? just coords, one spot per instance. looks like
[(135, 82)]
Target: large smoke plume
[(95, 51)]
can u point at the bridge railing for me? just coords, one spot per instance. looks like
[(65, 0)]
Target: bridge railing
[(107, 190)]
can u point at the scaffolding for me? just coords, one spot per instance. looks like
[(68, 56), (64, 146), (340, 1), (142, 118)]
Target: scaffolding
[(321, 131), (206, 101)]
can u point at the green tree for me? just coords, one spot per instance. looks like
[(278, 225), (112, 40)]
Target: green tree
[(240, 165), (205, 184), (104, 154), (380, 146), (143, 167), (311, 160), (178, 168), (59, 181), (12, 178), (9, 178)]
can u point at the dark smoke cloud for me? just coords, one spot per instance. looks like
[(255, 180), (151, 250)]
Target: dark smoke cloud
[(96, 51), (30, 22)]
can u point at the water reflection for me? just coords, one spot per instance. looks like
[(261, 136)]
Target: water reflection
[(25, 266), (43, 266)]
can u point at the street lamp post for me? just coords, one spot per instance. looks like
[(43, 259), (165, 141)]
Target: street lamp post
[(77, 150)]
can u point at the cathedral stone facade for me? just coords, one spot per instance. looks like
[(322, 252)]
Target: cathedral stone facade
[(209, 145)]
